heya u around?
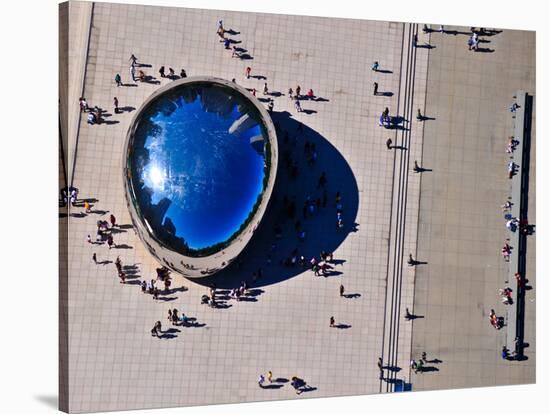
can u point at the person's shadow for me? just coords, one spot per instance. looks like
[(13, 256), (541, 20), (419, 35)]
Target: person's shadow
[(269, 250)]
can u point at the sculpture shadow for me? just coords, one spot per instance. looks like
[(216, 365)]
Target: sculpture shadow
[(269, 250)]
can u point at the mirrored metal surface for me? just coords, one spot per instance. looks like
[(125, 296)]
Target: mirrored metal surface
[(198, 166)]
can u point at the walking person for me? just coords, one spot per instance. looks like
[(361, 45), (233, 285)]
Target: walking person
[(83, 104), (115, 104), (172, 73), (89, 239), (416, 168), (341, 290), (375, 89), (87, 207), (157, 329), (504, 353), (375, 66), (133, 59), (112, 218), (424, 357), (133, 72), (411, 261), (414, 365), (381, 367), (419, 116), (161, 72), (183, 74), (322, 180), (339, 221), (110, 241), (298, 106), (247, 72), (298, 90), (269, 376), (265, 88), (388, 144), (118, 80), (261, 380), (94, 258), (290, 92), (332, 322)]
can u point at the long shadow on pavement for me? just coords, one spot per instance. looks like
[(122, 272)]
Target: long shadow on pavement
[(276, 238)]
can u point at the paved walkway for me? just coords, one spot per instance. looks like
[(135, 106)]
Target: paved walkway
[(461, 225), (115, 363)]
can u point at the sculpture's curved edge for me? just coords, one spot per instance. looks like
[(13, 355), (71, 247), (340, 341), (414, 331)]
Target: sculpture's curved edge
[(197, 267)]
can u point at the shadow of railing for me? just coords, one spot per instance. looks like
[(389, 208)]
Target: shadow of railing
[(522, 242)]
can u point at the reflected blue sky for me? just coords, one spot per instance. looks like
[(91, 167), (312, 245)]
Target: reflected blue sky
[(198, 166)]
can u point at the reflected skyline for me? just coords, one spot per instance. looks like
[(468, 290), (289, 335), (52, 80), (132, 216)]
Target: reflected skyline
[(198, 166)]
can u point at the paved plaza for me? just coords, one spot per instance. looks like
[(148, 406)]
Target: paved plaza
[(114, 363)]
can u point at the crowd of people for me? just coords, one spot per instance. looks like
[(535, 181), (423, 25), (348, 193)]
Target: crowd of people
[(513, 224), (321, 265)]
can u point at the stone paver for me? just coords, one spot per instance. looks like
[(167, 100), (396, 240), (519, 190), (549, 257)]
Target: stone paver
[(461, 225)]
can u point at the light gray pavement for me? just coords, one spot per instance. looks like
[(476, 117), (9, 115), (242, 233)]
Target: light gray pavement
[(114, 362), (461, 225)]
